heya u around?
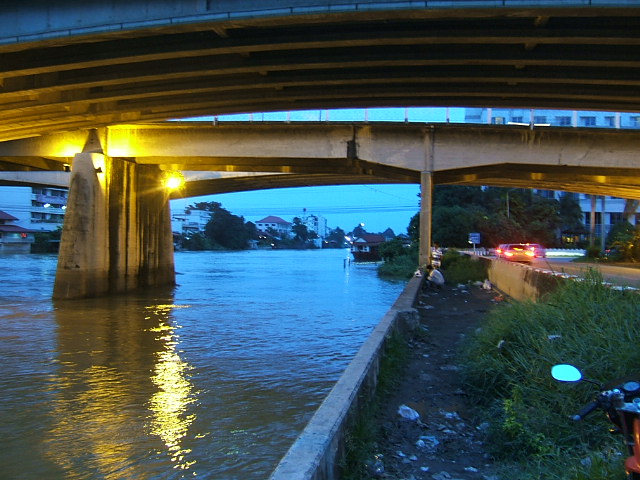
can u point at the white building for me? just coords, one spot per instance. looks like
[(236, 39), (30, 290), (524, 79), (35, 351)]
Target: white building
[(607, 209), (277, 224), (613, 208), (190, 221), (35, 208), (317, 224)]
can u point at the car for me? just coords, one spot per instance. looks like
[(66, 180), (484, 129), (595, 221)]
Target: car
[(538, 250), (520, 252)]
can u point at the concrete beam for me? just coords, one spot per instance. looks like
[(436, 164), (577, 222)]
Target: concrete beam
[(592, 161)]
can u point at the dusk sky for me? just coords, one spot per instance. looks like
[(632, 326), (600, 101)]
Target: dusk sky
[(377, 206)]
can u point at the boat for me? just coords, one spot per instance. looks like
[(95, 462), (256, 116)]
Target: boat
[(365, 247)]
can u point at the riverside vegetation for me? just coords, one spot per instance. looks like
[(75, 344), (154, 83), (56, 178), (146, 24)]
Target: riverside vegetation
[(507, 369), (506, 366)]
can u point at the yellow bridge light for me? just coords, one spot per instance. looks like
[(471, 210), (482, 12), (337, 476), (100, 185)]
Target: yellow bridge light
[(174, 180)]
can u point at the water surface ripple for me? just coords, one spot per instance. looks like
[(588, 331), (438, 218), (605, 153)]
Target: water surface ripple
[(211, 379)]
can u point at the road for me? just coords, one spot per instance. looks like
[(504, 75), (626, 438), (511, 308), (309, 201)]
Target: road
[(618, 275)]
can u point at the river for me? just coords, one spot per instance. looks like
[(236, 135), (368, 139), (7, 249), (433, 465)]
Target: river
[(211, 379)]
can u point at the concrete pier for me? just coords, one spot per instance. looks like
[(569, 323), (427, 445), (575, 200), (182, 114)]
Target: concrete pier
[(117, 231)]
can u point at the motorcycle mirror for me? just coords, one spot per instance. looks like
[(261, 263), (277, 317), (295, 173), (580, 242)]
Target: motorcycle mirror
[(566, 373)]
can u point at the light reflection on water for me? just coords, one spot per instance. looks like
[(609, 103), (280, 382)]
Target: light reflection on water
[(214, 378)]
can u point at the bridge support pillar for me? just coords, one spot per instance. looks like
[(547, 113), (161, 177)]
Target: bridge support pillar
[(117, 229), (426, 209)]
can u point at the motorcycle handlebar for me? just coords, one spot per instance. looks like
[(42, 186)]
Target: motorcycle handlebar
[(586, 410)]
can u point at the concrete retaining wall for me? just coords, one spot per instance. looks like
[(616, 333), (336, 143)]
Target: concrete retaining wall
[(320, 448), (519, 281)]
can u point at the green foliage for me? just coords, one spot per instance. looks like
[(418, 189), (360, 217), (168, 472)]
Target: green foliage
[(401, 264), (300, 231), (46, 242), (507, 371), (621, 231), (626, 243), (413, 230), (571, 215), (459, 268), (196, 241), (392, 249), (336, 239), (228, 231), (593, 252), (501, 215), (453, 225)]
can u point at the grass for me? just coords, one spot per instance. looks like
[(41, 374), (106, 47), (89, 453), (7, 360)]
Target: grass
[(456, 267), (507, 371), (402, 266)]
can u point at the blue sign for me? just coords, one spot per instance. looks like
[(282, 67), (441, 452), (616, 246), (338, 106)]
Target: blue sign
[(474, 238)]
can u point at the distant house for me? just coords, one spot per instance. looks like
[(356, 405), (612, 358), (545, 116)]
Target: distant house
[(273, 223), (364, 248), (13, 238), (388, 234)]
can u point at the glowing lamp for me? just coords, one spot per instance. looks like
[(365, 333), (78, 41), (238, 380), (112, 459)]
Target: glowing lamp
[(174, 181)]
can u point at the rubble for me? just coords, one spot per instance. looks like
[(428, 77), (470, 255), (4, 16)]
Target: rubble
[(429, 430)]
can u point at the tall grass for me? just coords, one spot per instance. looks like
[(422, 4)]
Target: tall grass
[(507, 372), (460, 268)]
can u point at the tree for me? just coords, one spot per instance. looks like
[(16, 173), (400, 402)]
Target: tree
[(453, 195), (451, 226), (359, 230), (413, 230), (227, 230), (300, 231), (336, 238), (500, 215), (544, 221), (630, 208), (195, 241), (392, 249), (571, 215)]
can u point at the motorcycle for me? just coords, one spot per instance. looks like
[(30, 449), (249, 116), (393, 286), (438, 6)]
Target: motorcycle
[(620, 400)]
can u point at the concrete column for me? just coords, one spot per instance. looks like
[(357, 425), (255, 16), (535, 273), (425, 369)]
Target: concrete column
[(592, 219), (426, 209), (117, 230), (426, 198), (603, 225)]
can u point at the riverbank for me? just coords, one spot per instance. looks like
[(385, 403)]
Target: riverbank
[(446, 442)]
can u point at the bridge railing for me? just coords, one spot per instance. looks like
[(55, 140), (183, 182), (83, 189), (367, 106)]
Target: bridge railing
[(534, 118)]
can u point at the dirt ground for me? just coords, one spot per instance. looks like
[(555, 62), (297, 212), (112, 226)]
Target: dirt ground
[(445, 442)]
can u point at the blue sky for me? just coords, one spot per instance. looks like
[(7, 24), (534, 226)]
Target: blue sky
[(377, 206)]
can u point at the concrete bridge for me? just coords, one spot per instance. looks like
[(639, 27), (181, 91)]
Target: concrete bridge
[(82, 70), (241, 156)]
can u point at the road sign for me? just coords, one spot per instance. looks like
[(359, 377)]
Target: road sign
[(474, 238)]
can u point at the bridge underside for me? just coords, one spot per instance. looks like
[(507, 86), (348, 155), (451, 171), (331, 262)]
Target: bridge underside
[(65, 85), (533, 57)]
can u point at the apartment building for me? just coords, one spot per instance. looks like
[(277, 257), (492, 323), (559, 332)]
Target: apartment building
[(606, 209), (35, 208)]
